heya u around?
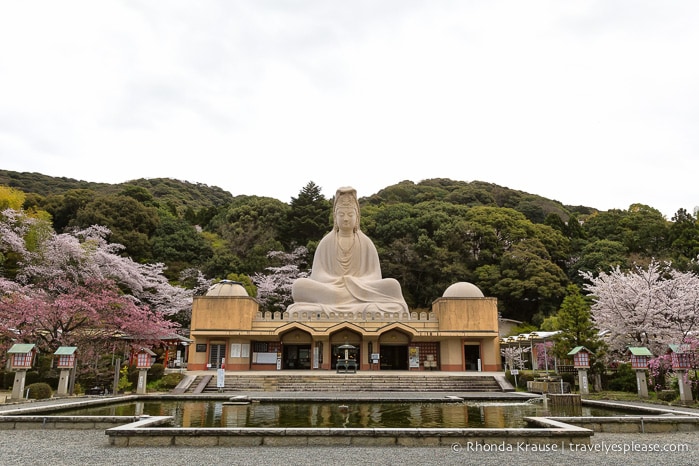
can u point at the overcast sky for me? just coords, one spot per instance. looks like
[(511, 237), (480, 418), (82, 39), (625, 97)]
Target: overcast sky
[(590, 103)]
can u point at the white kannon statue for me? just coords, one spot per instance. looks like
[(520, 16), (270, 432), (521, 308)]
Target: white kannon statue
[(346, 275)]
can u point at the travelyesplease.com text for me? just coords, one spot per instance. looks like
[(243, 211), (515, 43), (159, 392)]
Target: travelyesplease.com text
[(602, 447)]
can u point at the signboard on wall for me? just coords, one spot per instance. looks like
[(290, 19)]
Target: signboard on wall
[(264, 358), (414, 356), (201, 348)]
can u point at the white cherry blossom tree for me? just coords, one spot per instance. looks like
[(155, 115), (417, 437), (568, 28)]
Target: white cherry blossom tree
[(651, 307), (274, 287)]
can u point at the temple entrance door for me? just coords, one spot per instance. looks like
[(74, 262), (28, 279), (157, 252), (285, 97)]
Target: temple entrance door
[(216, 354), (394, 357), (472, 354), (296, 357)]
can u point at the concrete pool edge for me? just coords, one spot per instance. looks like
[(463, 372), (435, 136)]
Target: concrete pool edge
[(146, 432)]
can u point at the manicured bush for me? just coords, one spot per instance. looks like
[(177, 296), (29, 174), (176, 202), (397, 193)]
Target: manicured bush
[(156, 372), (524, 377), (39, 391), (170, 381)]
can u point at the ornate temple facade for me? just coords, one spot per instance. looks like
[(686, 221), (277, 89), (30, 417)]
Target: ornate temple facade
[(229, 330)]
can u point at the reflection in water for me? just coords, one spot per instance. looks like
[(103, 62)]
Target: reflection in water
[(337, 414)]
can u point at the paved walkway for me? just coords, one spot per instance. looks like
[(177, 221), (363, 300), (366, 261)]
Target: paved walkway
[(72, 447)]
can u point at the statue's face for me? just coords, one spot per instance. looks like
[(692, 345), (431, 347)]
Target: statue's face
[(346, 218)]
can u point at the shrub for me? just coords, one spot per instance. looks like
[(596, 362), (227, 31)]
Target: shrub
[(32, 377), (133, 375), (170, 381), (39, 391), (156, 372), (124, 384), (624, 380), (8, 379), (570, 378), (523, 378), (52, 381), (668, 395)]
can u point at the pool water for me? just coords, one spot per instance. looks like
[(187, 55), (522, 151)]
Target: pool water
[(187, 413)]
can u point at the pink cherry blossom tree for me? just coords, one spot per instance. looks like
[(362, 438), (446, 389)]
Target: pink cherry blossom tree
[(76, 289), (91, 316)]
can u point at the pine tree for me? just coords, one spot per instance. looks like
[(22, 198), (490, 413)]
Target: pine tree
[(574, 320), (309, 218)]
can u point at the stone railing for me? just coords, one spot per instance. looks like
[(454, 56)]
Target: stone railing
[(306, 316)]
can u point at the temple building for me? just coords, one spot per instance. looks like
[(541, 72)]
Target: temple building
[(459, 334), (346, 314)]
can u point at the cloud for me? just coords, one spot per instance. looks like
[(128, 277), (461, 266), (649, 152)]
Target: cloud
[(587, 102)]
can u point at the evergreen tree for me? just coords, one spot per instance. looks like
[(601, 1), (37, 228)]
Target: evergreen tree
[(574, 320), (309, 218)]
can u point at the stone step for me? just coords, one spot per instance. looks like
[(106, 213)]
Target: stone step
[(356, 382)]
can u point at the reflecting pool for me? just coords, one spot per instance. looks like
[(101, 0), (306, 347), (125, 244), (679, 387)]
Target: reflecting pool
[(208, 413)]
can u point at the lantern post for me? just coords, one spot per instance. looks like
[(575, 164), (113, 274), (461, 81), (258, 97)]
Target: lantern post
[(639, 363), (66, 364), (22, 359), (681, 364), (144, 361), (581, 361)]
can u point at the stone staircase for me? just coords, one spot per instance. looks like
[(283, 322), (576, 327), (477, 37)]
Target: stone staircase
[(360, 382)]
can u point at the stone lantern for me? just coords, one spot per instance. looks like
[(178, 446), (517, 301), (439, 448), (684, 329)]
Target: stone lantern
[(681, 363), (581, 361), (144, 360), (21, 361), (639, 362), (66, 364)]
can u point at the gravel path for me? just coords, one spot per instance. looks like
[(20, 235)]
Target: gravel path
[(73, 447)]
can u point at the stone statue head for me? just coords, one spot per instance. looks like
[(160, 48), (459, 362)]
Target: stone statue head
[(345, 197)]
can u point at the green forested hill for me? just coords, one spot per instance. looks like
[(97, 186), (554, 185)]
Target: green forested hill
[(44, 185), (519, 247), (475, 193), (165, 190)]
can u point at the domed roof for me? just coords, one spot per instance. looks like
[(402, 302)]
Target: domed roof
[(463, 290), (227, 288)]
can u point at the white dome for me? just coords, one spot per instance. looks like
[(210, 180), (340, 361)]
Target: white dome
[(463, 290), (227, 288)]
